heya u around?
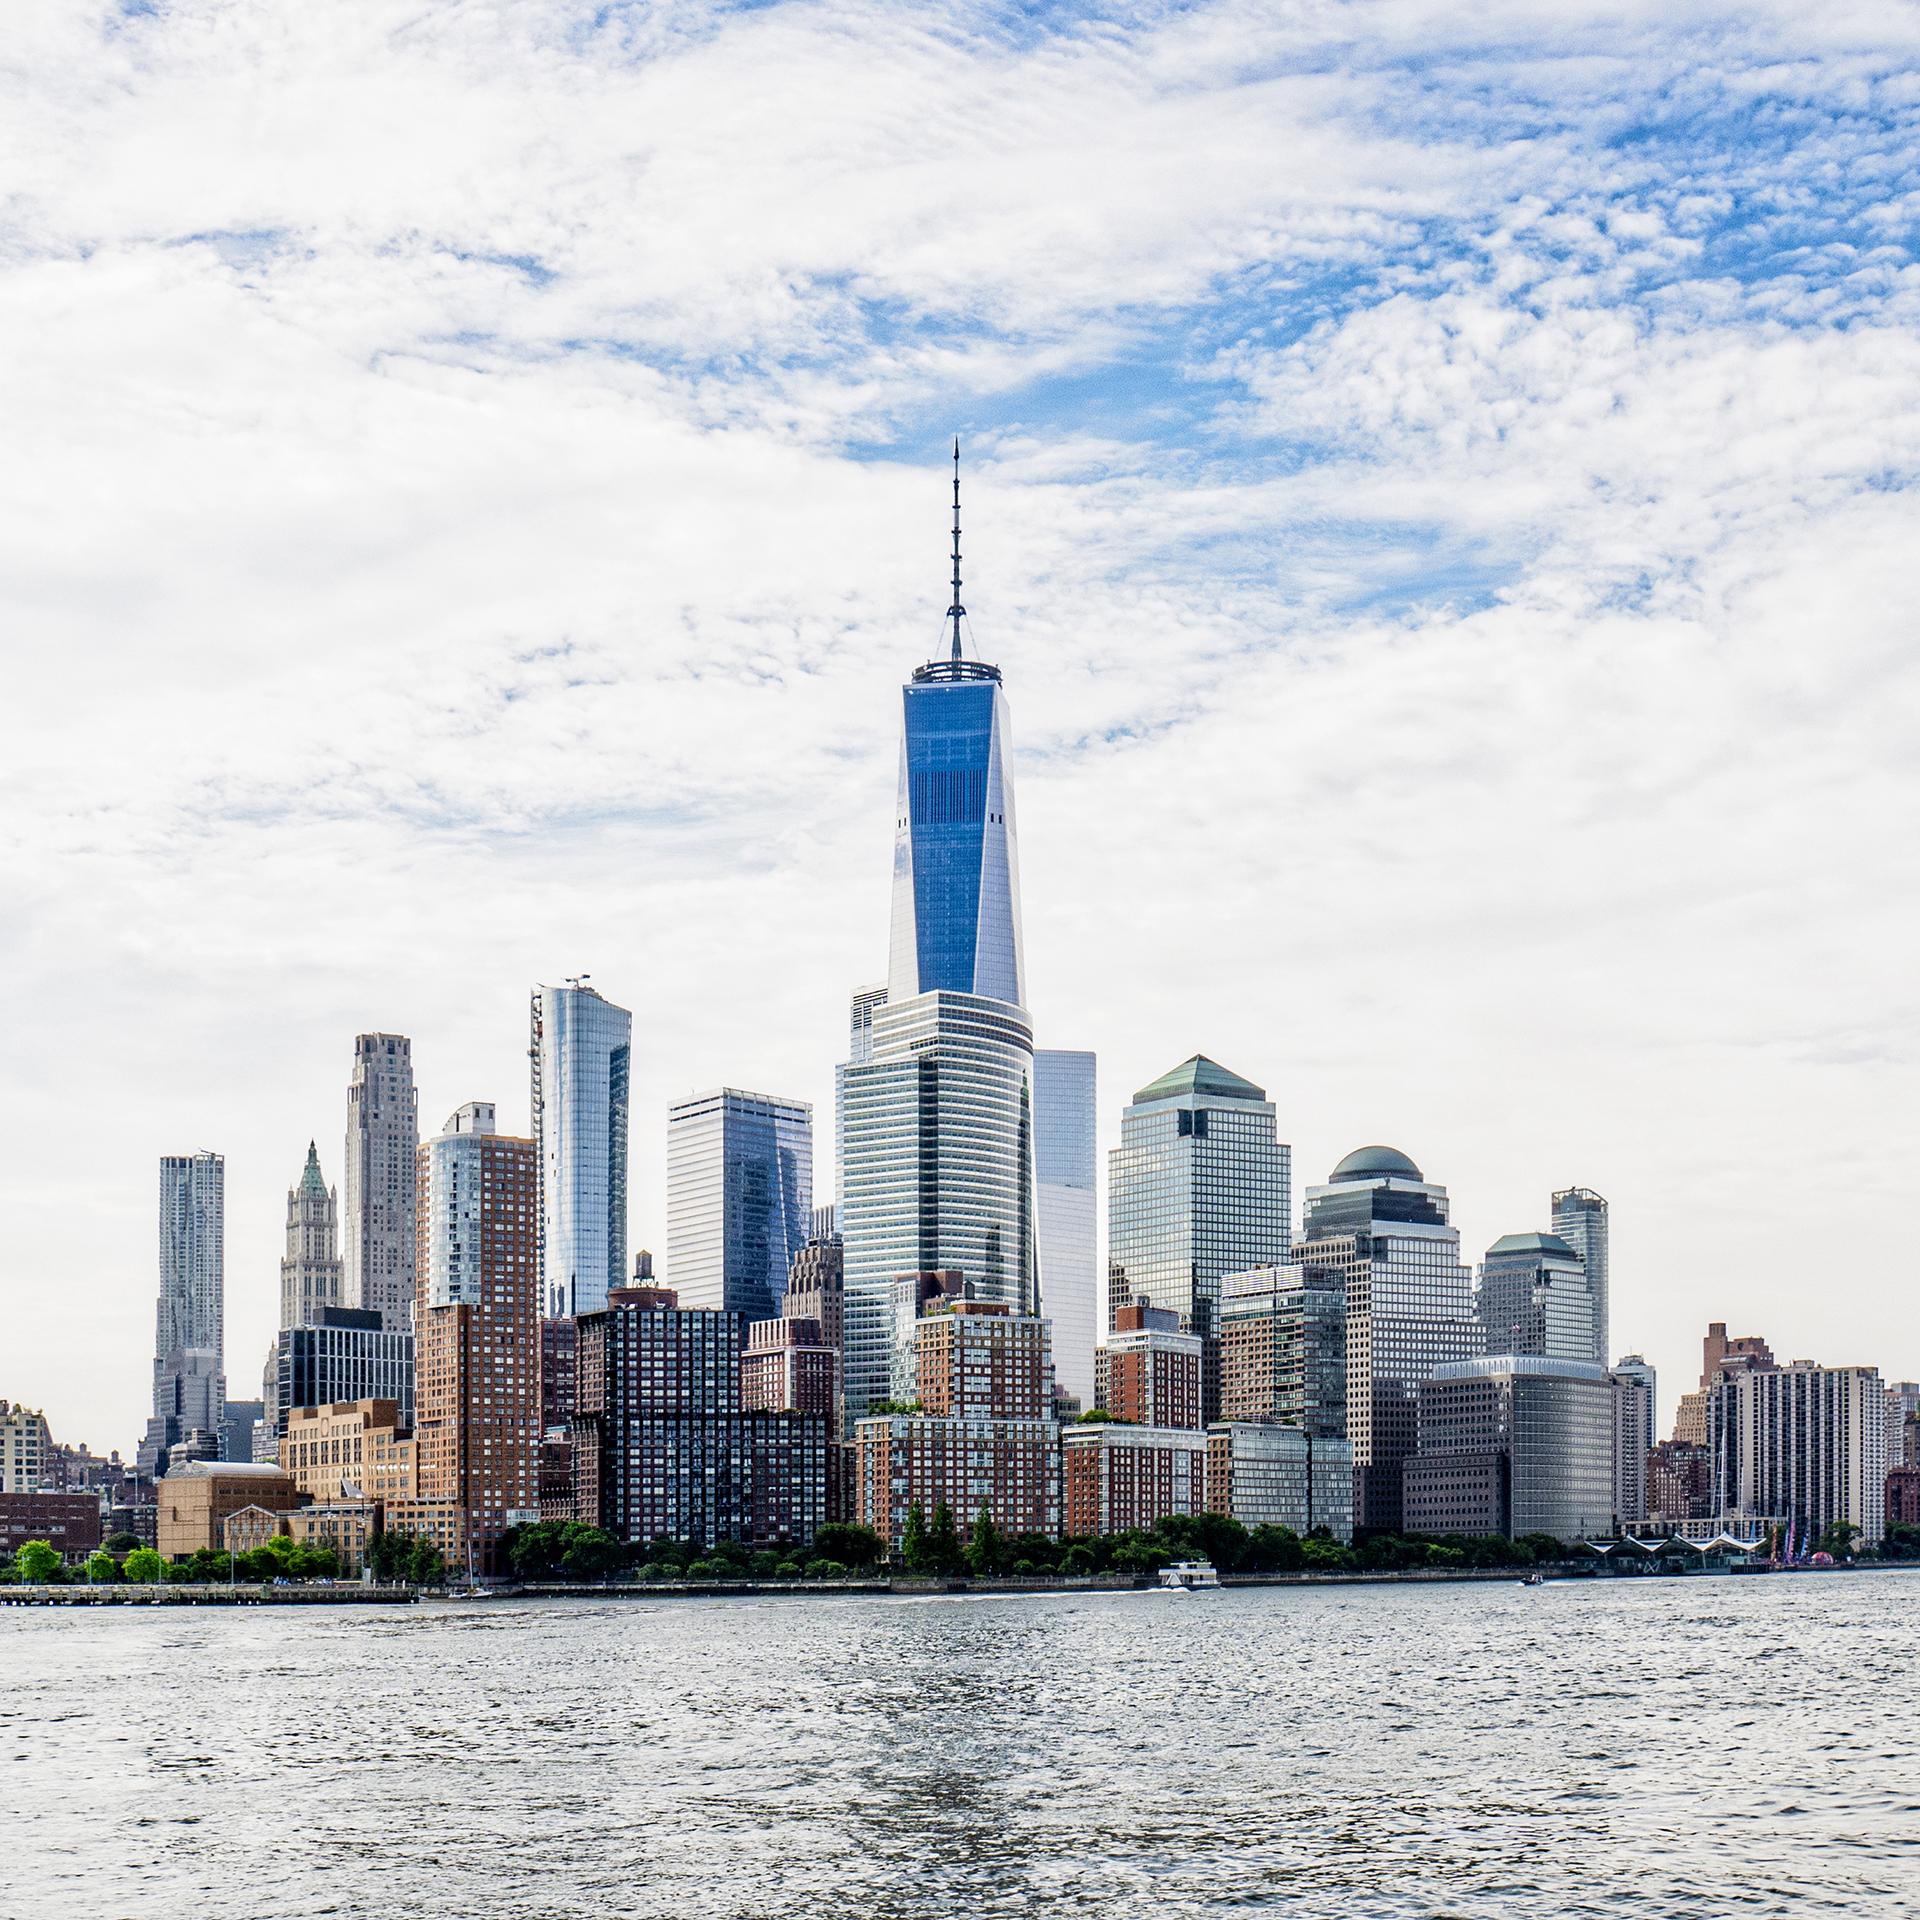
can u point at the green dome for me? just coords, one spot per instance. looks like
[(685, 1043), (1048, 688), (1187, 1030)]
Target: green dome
[(1377, 1163)]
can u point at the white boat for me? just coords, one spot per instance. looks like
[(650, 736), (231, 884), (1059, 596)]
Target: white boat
[(1188, 1574)]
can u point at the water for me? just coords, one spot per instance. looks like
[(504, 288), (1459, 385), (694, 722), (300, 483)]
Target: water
[(1700, 1746)]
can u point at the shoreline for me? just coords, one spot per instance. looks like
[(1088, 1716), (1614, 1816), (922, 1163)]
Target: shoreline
[(881, 1586)]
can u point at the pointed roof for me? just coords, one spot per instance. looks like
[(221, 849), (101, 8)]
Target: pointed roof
[(1197, 1074), (311, 1177), (1532, 1243)]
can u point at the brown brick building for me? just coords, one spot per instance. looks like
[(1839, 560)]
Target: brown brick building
[(1115, 1478), (1146, 1370), (195, 1503), (68, 1522)]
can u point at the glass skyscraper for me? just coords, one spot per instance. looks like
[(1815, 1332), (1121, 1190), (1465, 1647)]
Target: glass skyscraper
[(581, 1049), (1536, 1297), (189, 1339), (739, 1198), (936, 1119), (1381, 1226), (1200, 1186), (1066, 1164), (1580, 1219)]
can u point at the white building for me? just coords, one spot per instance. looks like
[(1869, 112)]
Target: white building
[(310, 1270), (26, 1449), (581, 1046), (1634, 1426), (1067, 1165), (383, 1134)]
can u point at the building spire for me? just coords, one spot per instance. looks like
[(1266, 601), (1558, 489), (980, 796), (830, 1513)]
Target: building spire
[(955, 611)]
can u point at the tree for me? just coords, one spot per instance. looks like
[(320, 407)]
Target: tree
[(144, 1566), (121, 1542), (1273, 1549), (1839, 1538), (309, 1562), (826, 1570), (1323, 1555), (101, 1565), (426, 1564), (943, 1541), (38, 1562), (589, 1553), (851, 1545), (914, 1549), (983, 1550), (1100, 1417)]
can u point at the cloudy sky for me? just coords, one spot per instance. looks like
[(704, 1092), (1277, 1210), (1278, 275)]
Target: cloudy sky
[(1440, 488)]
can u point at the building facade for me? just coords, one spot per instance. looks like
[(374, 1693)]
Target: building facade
[(189, 1346), (739, 1198), (1580, 1219), (1199, 1187), (477, 1330), (1532, 1433), (1066, 1166), (1803, 1443), (1379, 1230), (788, 1368), (26, 1449), (341, 1354), (311, 1272), (581, 1048), (70, 1523), (1633, 1385), (194, 1502), (1114, 1479), (1536, 1297), (1146, 1371), (1265, 1474), (1283, 1348), (383, 1141)]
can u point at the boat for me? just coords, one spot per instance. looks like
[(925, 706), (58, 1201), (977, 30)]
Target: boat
[(1185, 1575), (1534, 1580)]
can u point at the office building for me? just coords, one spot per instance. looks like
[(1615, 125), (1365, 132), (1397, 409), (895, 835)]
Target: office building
[(189, 1347), (311, 1272), (1067, 1168), (581, 1048), (1633, 1385), (1580, 1219), (935, 1117), (985, 1436), (477, 1330), (1146, 1371), (1266, 1474), (193, 1502), (1745, 1352), (1513, 1444), (26, 1449), (1114, 1479), (340, 1354), (383, 1141), (739, 1198), (1200, 1186), (816, 1281), (239, 1421), (1378, 1229), (1536, 1297), (1802, 1443), (359, 1450), (70, 1523), (663, 1446), (1283, 1348)]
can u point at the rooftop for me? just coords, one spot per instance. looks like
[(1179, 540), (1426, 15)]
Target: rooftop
[(1532, 1243), (1199, 1075), (1376, 1163)]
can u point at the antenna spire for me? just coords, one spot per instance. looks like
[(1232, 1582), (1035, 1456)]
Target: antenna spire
[(955, 611)]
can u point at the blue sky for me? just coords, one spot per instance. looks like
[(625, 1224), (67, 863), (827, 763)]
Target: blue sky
[(1438, 484)]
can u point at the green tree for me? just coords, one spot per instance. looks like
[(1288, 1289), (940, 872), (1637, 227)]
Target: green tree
[(589, 1553), (38, 1562), (915, 1551), (426, 1564), (310, 1562), (984, 1550), (1839, 1538), (1078, 1559), (1272, 1549), (943, 1542), (1324, 1555), (122, 1542), (1100, 1417), (826, 1570), (101, 1565), (144, 1566), (852, 1546)]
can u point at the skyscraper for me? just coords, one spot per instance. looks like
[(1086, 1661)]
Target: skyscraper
[(1633, 1384), (383, 1133), (1536, 1296), (935, 1122), (1580, 1219), (581, 1050), (1200, 1186), (310, 1269), (739, 1198), (1066, 1165), (189, 1343), (1381, 1227), (477, 1330)]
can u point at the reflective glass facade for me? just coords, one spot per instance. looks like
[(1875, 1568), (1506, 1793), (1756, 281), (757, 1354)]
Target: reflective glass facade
[(739, 1198), (189, 1341), (1200, 1186), (937, 1166), (581, 1049), (1066, 1165), (1580, 1219), (1535, 1297), (1283, 1349)]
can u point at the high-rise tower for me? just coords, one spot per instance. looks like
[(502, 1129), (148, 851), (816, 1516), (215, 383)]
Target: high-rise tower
[(1580, 1219), (189, 1340), (581, 1047), (310, 1268), (383, 1131), (936, 1119)]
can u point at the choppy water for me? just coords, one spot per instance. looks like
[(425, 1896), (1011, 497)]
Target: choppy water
[(1696, 1746)]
